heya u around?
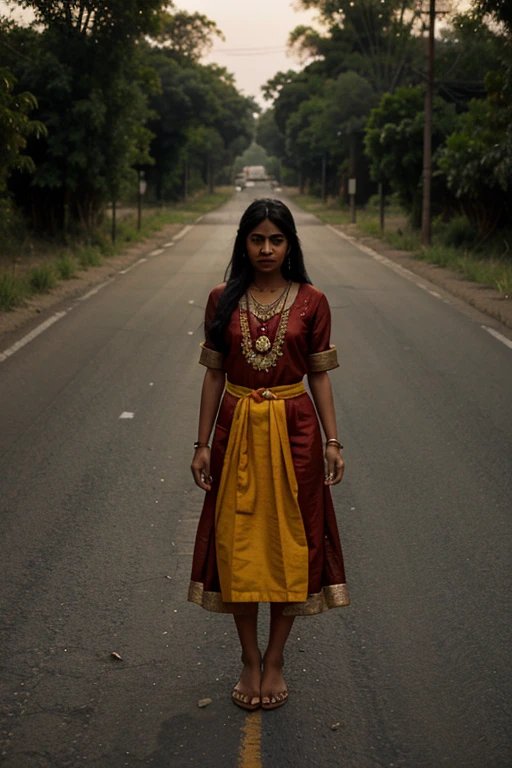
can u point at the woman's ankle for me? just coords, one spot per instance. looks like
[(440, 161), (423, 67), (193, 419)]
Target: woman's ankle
[(251, 658), (273, 659)]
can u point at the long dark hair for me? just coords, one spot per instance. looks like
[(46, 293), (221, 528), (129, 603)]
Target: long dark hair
[(240, 273)]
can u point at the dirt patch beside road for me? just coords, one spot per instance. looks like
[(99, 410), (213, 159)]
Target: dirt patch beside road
[(39, 306), (483, 298)]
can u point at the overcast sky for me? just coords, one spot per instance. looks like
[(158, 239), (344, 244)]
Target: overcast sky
[(260, 25), (256, 32)]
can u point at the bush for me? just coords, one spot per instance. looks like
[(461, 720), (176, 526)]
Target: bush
[(42, 279), (458, 233), (12, 291), (66, 267), (102, 243), (88, 256)]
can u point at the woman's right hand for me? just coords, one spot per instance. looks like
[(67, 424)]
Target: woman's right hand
[(201, 469)]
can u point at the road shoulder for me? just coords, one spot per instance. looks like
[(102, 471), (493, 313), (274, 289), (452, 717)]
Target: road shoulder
[(487, 300), (40, 307)]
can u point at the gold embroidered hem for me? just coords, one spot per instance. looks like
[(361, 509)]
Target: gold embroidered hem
[(334, 596), (211, 358), (261, 545), (323, 361)]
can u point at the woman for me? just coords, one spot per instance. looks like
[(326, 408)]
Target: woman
[(267, 531)]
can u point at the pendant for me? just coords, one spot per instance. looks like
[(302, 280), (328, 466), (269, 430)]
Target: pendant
[(262, 344)]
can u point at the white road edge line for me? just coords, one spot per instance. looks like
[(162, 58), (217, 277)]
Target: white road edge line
[(409, 276), (58, 315), (386, 262), (169, 245), (498, 335), (129, 269), (32, 335), (183, 232), (157, 252), (94, 290)]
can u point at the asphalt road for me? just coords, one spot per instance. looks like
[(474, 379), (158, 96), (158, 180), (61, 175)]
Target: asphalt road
[(98, 516)]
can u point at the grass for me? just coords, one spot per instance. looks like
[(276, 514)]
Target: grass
[(42, 279), (66, 267), (89, 256), (52, 262), (455, 243), (13, 291), (492, 271)]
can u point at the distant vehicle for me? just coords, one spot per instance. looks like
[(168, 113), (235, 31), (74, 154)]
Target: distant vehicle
[(250, 176), (256, 173)]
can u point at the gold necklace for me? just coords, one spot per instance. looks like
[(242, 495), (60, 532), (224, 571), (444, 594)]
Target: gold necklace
[(266, 311), (262, 290), (266, 354)]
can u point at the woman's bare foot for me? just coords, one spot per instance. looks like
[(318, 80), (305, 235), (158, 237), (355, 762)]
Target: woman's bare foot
[(246, 693), (274, 692)]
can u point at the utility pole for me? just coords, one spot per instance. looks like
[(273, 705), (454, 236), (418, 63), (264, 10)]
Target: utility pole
[(426, 215)]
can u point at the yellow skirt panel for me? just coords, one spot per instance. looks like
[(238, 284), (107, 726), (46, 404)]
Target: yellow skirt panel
[(262, 552)]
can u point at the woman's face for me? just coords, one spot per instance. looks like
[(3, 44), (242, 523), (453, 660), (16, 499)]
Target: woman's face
[(266, 247)]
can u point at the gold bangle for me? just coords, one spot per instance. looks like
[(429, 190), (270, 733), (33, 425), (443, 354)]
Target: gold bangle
[(197, 445), (334, 441)]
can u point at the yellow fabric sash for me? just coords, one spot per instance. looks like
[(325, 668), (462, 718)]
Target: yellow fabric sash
[(262, 552)]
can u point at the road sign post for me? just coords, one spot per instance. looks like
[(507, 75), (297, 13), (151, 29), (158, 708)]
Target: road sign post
[(352, 195)]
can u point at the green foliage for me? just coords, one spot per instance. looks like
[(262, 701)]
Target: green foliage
[(394, 143), (494, 272), (89, 256), (457, 233), (121, 91), (42, 279), (66, 267), (15, 129), (12, 291), (268, 134), (215, 124), (477, 159), (372, 38), (187, 36)]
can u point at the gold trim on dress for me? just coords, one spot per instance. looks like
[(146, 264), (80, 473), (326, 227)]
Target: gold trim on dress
[(211, 358), (323, 361), (333, 596)]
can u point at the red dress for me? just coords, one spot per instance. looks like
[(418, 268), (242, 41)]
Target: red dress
[(306, 349)]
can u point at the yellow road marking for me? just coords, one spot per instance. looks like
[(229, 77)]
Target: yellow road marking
[(250, 745)]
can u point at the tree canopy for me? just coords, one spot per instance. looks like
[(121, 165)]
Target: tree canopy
[(356, 106), (119, 88)]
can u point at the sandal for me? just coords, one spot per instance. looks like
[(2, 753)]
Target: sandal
[(250, 703), (279, 700)]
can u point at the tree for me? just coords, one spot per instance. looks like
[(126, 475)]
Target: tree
[(477, 159), (394, 144), (268, 134), (82, 62), (370, 37), (15, 129), (187, 36)]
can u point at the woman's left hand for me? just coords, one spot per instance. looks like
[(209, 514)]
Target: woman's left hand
[(335, 465)]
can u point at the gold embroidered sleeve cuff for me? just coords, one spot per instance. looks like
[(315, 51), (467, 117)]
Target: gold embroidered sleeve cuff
[(323, 361), (210, 358)]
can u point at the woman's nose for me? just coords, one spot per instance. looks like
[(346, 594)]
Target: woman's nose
[(267, 247)]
